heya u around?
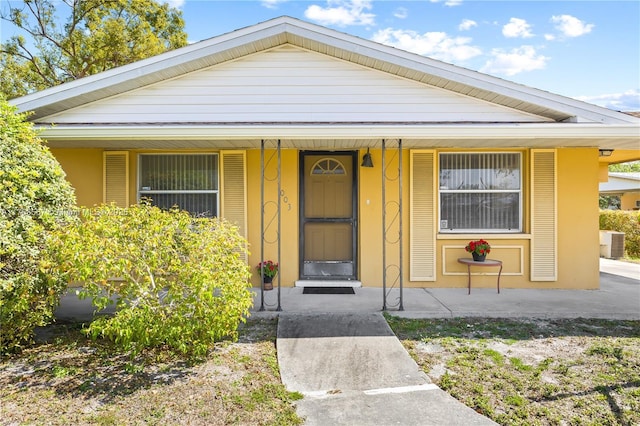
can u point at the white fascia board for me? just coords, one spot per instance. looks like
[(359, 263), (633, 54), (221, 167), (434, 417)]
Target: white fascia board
[(619, 186), (356, 131), (625, 176)]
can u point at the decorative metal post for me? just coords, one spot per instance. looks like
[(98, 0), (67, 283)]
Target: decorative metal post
[(392, 222), (384, 227), (279, 308), (266, 226), (262, 224), (400, 229)]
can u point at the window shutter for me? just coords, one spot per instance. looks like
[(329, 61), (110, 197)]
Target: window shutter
[(116, 178), (422, 216), (544, 256), (234, 189)]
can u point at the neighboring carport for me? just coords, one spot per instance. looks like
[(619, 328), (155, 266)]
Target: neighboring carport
[(625, 185)]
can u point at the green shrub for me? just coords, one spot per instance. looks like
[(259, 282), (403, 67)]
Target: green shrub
[(35, 196), (178, 282), (627, 222)]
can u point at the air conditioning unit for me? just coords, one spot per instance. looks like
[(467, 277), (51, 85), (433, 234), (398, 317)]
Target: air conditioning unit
[(611, 244)]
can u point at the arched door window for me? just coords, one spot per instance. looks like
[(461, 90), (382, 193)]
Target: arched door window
[(328, 166)]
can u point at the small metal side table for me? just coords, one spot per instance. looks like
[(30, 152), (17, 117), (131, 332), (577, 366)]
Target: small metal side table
[(487, 262)]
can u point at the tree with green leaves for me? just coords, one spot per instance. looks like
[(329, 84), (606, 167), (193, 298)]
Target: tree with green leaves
[(36, 200), (630, 167), (98, 35)]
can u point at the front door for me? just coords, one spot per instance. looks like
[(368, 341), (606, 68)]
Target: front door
[(328, 215)]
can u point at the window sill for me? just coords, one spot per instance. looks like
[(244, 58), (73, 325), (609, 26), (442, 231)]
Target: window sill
[(486, 236)]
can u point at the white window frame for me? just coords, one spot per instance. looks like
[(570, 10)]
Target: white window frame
[(444, 230), (142, 192)]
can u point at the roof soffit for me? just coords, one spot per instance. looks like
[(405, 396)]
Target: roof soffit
[(621, 138)]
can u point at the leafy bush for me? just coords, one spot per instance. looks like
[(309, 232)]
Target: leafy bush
[(35, 195), (627, 222), (178, 282)]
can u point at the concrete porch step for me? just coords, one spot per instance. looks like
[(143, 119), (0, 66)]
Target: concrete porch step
[(328, 283)]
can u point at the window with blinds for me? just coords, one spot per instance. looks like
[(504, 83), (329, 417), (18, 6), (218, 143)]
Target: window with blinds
[(480, 192), (188, 181)]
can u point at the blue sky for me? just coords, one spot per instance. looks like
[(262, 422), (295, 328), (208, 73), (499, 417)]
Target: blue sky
[(589, 50)]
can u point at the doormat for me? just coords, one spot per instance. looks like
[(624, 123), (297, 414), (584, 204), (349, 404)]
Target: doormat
[(328, 290)]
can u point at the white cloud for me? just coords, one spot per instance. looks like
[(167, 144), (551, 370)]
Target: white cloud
[(401, 13), (467, 24), (436, 45), (549, 37), (342, 13), (517, 28), (626, 101), (272, 4), (175, 3), (449, 3), (571, 26), (524, 58)]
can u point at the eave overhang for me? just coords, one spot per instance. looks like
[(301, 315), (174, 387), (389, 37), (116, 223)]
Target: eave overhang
[(451, 135)]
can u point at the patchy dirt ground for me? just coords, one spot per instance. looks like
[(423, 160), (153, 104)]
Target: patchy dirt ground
[(533, 372), (66, 379)]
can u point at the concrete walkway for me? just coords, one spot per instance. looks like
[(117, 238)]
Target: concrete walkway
[(352, 370), (623, 269)]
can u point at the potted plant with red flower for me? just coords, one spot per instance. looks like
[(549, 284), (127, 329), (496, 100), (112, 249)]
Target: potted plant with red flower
[(267, 269), (479, 249)]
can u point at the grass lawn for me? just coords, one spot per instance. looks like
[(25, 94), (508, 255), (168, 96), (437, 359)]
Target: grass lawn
[(534, 372), (66, 379)]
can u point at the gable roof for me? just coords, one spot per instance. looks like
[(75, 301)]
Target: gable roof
[(290, 31), (287, 30)]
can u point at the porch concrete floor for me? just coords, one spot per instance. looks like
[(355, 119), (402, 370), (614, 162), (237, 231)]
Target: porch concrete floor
[(617, 298)]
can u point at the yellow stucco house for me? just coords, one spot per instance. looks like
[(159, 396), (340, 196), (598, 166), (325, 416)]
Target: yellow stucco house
[(347, 161)]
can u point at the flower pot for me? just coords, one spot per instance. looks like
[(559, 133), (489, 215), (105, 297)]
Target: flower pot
[(478, 257), (267, 283)]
